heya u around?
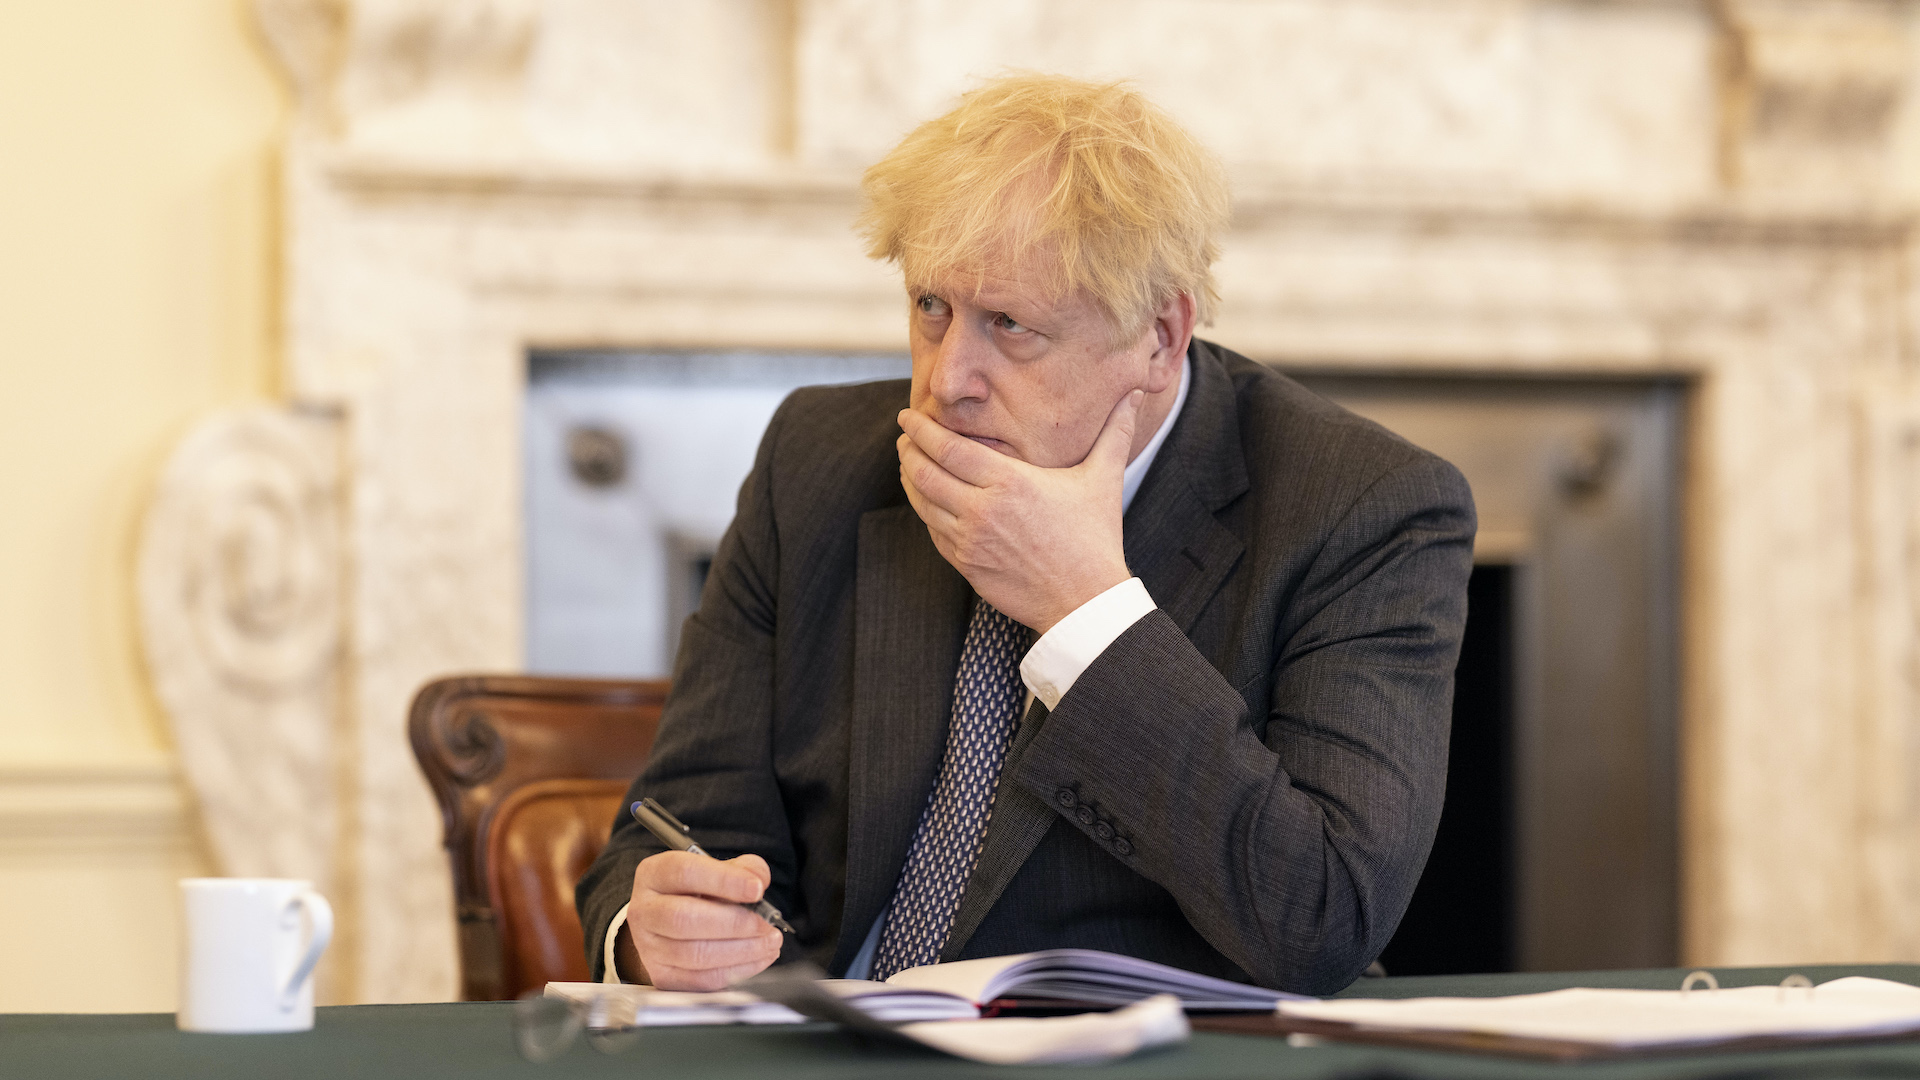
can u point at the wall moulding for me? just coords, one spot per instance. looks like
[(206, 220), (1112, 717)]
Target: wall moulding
[(1258, 199), (90, 851), (94, 805), (594, 172)]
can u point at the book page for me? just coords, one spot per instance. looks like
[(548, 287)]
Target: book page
[(1084, 975), (977, 981)]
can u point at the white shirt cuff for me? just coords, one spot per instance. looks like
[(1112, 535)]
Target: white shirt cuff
[(612, 973), (1057, 660)]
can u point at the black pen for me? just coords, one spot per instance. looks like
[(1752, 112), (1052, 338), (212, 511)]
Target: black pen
[(674, 833)]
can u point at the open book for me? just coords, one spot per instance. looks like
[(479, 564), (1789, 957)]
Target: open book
[(792, 994), (1084, 977), (1081, 1039)]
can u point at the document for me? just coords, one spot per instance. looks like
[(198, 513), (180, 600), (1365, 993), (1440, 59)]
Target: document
[(1620, 1021)]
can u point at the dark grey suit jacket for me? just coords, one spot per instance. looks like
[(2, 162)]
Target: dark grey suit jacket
[(1247, 781)]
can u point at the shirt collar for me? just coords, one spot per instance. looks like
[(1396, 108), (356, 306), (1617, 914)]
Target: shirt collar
[(1137, 468)]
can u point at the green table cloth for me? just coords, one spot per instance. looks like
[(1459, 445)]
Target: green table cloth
[(474, 1041)]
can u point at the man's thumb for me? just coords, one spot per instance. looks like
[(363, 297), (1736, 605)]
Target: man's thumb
[(1115, 443)]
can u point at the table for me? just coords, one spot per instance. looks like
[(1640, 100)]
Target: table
[(473, 1041)]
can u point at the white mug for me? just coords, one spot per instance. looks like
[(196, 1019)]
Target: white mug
[(245, 968)]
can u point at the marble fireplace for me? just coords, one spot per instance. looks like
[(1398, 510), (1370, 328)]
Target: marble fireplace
[(1715, 196)]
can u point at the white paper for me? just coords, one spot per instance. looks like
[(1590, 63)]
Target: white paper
[(1058, 1040), (1632, 1019), (677, 1008)]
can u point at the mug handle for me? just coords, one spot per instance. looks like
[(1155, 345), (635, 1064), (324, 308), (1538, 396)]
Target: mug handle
[(321, 913)]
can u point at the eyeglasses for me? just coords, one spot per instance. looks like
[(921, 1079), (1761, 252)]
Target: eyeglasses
[(546, 1027)]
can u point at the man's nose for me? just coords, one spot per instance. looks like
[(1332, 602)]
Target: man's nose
[(959, 364)]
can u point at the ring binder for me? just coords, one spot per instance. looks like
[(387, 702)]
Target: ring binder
[(1796, 981), (1593, 1023), (1686, 984)]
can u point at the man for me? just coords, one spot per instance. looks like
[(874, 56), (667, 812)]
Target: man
[(1111, 639)]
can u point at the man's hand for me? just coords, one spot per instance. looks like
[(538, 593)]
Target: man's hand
[(1035, 543), (688, 925)]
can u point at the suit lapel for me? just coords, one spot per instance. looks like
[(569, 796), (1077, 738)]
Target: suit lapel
[(1174, 543), (1181, 553), (910, 619)]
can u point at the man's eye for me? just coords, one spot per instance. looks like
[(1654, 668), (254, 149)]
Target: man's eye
[(932, 305), (1008, 324)]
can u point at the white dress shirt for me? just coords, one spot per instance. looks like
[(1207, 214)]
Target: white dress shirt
[(1055, 662)]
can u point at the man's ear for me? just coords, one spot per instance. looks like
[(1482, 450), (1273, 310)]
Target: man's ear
[(1172, 333)]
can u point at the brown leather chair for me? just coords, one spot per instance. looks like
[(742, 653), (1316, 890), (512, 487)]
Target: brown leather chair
[(529, 773)]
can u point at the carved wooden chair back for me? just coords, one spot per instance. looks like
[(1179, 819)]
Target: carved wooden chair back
[(529, 774)]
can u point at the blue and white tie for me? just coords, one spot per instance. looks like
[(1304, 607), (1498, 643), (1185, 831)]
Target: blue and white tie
[(987, 696)]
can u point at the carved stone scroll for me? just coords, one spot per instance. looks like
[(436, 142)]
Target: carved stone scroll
[(239, 589)]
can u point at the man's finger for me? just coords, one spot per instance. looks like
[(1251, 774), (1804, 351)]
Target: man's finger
[(936, 517), (686, 873), (693, 918), (920, 472), (679, 965), (755, 865), (708, 952), (959, 455), (677, 978), (732, 975), (1115, 444)]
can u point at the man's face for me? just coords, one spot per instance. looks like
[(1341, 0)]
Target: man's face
[(1032, 377)]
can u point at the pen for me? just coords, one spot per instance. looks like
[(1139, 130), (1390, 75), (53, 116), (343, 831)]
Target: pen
[(674, 833)]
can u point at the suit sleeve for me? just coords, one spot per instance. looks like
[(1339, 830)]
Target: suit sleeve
[(1292, 840), (711, 762)]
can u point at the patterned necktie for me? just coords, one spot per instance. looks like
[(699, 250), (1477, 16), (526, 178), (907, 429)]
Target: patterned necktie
[(987, 695)]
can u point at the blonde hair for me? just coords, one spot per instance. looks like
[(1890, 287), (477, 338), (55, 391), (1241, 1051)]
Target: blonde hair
[(1114, 195)]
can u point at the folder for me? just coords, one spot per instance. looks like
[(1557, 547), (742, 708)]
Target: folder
[(1587, 1024)]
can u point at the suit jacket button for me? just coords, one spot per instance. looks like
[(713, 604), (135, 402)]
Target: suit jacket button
[(1121, 846), (1065, 797), (1103, 830), (1085, 814)]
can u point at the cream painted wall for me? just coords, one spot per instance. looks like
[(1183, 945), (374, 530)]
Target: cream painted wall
[(136, 292)]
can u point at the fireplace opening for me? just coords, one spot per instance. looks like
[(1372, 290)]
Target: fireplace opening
[(632, 460), (1558, 844)]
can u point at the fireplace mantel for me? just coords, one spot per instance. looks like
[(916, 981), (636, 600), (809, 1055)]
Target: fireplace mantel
[(470, 179)]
